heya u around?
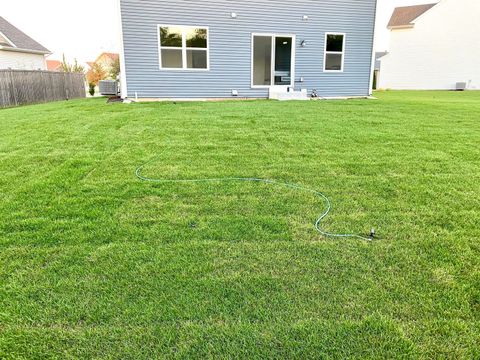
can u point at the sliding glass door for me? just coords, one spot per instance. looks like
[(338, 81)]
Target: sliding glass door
[(272, 60), (283, 61), (262, 60)]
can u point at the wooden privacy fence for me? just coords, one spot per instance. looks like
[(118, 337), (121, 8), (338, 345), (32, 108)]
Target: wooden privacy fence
[(21, 87)]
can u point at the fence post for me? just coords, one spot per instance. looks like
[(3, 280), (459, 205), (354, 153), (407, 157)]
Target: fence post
[(44, 80), (66, 76), (13, 91)]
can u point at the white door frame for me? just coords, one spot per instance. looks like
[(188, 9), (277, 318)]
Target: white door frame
[(292, 70)]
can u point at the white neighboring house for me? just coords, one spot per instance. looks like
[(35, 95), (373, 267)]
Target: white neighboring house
[(18, 51), (433, 47)]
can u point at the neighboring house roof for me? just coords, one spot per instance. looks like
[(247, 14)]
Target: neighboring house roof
[(105, 61), (112, 56), (54, 65), (4, 41), (107, 56), (404, 16), (378, 56), (18, 40)]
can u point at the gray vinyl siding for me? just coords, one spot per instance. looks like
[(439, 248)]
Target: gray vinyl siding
[(230, 45)]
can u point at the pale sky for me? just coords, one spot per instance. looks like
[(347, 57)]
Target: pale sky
[(83, 29)]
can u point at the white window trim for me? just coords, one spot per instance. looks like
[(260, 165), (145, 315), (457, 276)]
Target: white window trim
[(273, 36), (325, 52), (8, 40), (184, 48)]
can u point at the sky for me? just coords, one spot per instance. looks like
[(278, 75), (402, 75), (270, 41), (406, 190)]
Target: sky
[(83, 29)]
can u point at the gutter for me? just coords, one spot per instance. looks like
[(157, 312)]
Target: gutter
[(28, 51), (398, 27)]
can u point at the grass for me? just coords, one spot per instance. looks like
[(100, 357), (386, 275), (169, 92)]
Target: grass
[(96, 264)]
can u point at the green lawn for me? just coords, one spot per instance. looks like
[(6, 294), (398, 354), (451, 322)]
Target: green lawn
[(97, 264)]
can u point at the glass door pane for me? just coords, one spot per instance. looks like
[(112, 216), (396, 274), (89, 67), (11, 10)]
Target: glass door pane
[(283, 61), (262, 60)]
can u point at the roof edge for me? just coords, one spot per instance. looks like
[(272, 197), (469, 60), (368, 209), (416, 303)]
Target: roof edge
[(400, 27), (19, 39), (406, 16), (27, 51), (8, 40)]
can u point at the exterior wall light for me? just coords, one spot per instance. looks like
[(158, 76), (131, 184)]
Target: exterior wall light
[(234, 15), (303, 43)]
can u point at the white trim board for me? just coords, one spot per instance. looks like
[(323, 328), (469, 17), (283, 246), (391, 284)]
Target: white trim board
[(123, 66), (373, 58), (227, 99)]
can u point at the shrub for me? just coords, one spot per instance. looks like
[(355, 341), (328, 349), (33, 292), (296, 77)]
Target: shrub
[(91, 88)]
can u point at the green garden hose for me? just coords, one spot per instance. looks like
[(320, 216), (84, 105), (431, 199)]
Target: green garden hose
[(139, 175)]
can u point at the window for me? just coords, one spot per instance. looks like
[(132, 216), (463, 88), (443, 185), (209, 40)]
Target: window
[(334, 52), (183, 47)]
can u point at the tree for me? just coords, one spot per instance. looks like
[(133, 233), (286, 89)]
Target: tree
[(75, 67), (96, 73), (115, 69)]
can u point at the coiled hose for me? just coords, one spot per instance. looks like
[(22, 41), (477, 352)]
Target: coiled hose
[(138, 174)]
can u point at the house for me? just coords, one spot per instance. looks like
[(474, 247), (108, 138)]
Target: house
[(19, 51), (378, 65), (54, 65), (433, 47), (107, 61), (187, 49)]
